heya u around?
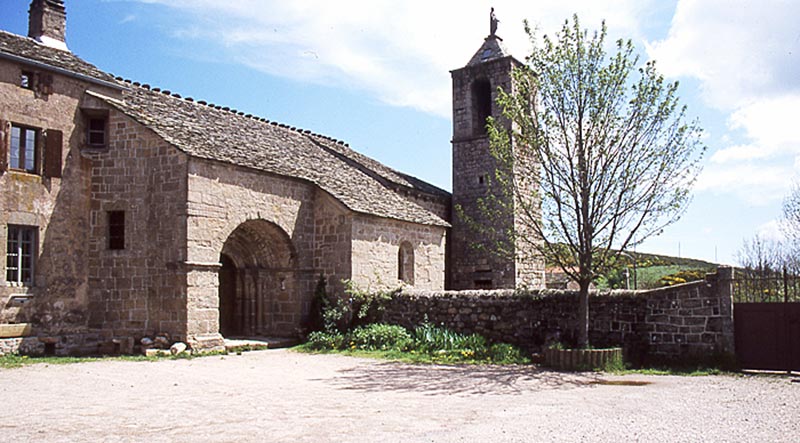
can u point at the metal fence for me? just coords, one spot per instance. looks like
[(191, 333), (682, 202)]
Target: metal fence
[(766, 287)]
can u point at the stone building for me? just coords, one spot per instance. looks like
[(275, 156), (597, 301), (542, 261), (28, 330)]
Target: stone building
[(130, 211), (474, 100)]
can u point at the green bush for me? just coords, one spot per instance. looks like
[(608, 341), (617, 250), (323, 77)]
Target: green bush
[(380, 337), (505, 353), (683, 276), (427, 343), (325, 341)]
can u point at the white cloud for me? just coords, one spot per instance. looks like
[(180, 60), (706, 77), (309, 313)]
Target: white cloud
[(771, 230), (741, 50), (746, 57), (399, 52), (758, 184), (771, 126)]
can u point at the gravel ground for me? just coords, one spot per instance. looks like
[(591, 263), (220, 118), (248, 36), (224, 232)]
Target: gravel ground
[(280, 395)]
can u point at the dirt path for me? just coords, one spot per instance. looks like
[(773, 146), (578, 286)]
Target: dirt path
[(284, 396)]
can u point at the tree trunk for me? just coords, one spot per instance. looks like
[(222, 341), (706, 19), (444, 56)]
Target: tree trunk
[(582, 322)]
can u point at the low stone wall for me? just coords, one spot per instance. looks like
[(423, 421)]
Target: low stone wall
[(19, 345), (683, 322)]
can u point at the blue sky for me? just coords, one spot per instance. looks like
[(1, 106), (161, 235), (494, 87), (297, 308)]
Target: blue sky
[(376, 74)]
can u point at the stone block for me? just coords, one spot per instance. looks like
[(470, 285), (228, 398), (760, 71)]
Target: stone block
[(15, 330)]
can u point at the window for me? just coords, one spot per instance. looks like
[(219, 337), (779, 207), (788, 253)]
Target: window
[(26, 80), (20, 254), (481, 105), (116, 230), (96, 131), (23, 148), (405, 263)]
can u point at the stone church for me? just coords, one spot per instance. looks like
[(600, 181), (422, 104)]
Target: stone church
[(130, 211)]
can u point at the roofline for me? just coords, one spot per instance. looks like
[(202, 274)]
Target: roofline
[(191, 156), (62, 71), (495, 60)]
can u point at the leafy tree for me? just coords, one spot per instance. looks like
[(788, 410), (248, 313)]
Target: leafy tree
[(590, 161)]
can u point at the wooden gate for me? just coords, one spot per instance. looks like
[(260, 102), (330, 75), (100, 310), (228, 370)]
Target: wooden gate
[(766, 314)]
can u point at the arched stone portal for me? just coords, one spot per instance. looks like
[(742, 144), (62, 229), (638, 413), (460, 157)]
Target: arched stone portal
[(257, 282)]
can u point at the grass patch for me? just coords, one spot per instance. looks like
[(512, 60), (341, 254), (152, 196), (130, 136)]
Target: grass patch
[(10, 361), (425, 344), (411, 356), (685, 372)]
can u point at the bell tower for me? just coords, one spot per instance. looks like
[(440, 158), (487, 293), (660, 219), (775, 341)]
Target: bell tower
[(474, 262)]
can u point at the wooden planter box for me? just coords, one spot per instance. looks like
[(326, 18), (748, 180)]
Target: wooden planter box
[(15, 330), (581, 359)]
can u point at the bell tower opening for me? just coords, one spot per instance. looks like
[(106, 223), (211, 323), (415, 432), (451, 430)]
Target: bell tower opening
[(481, 105)]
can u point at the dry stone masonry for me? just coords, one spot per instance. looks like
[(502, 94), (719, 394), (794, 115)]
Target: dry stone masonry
[(692, 321)]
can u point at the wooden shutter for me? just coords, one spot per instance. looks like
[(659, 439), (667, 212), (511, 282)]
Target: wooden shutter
[(53, 147), (5, 141)]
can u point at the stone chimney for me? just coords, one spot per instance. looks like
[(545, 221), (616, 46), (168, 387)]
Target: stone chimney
[(47, 23)]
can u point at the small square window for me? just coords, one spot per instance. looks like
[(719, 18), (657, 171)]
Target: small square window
[(26, 80), (116, 230), (96, 131)]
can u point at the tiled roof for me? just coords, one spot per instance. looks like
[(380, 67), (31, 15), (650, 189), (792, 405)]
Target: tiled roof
[(30, 49), (225, 135), (215, 133)]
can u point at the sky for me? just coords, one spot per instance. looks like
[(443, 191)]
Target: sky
[(375, 73)]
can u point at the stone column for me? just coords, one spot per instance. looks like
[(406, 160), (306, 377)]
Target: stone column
[(725, 276), (202, 306)]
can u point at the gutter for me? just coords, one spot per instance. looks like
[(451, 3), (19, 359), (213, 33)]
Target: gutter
[(62, 71)]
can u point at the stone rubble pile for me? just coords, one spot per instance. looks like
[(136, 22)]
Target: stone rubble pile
[(161, 345)]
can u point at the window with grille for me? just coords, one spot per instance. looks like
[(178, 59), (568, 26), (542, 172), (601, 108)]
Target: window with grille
[(21, 254), (96, 131)]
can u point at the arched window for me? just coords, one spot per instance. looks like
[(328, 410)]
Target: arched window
[(481, 105), (405, 263)]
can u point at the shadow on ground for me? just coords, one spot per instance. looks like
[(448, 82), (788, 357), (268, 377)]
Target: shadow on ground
[(436, 380)]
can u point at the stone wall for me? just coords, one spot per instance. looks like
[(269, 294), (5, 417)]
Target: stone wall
[(376, 244), (280, 212), (333, 234), (140, 289), (57, 303), (688, 321)]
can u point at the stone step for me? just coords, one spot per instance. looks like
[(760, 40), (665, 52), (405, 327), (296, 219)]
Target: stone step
[(15, 330), (258, 343)]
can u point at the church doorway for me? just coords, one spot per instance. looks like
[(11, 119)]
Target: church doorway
[(257, 282)]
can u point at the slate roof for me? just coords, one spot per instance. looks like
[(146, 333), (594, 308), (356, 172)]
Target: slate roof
[(214, 133), (31, 50), (491, 49)]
